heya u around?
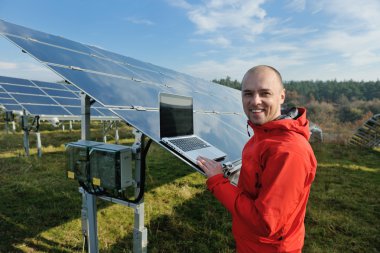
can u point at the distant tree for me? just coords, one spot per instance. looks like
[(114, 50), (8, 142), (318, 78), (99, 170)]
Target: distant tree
[(228, 82)]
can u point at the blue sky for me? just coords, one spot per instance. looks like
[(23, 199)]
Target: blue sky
[(304, 40)]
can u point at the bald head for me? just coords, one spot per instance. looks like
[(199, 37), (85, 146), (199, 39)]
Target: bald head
[(264, 70)]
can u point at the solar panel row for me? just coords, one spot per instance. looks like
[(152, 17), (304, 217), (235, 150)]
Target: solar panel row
[(131, 87), (44, 98)]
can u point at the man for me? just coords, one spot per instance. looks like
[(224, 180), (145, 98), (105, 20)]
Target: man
[(268, 205)]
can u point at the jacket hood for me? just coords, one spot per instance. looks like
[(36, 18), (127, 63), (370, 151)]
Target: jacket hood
[(297, 124)]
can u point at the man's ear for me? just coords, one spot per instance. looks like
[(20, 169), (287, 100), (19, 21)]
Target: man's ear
[(283, 95)]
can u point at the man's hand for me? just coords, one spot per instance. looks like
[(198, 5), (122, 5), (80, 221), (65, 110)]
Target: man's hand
[(210, 167)]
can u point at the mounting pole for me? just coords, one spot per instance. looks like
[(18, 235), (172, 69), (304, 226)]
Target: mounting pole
[(105, 131), (9, 117), (89, 200), (36, 126), (140, 232), (25, 128), (116, 133)]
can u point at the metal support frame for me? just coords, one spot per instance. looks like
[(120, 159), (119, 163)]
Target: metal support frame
[(116, 133), (9, 117), (89, 209), (89, 229), (26, 127), (107, 126)]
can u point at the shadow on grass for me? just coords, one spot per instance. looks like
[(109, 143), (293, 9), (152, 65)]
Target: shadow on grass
[(200, 224), (36, 196)]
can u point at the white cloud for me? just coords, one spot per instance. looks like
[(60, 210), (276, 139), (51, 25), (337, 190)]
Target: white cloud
[(363, 14), (218, 41), (139, 21), (180, 3), (355, 31), (217, 15), (341, 41), (296, 5)]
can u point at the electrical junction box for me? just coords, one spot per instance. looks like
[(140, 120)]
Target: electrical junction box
[(78, 159), (111, 166)]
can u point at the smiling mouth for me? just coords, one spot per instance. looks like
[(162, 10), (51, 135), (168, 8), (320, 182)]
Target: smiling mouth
[(256, 110)]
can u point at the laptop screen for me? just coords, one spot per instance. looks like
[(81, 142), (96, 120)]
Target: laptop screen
[(176, 115)]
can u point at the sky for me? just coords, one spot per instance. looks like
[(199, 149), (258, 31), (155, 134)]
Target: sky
[(304, 40)]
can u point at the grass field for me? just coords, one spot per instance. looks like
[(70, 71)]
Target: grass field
[(40, 208)]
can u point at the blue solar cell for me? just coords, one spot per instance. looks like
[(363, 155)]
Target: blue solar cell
[(8, 101), (13, 107), (46, 53), (46, 110), (57, 86), (71, 87), (13, 80), (30, 99), (60, 93), (125, 60), (22, 89), (14, 29), (95, 112), (112, 91), (68, 101), (105, 112), (3, 94), (74, 110)]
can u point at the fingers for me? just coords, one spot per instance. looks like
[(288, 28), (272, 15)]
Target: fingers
[(210, 167)]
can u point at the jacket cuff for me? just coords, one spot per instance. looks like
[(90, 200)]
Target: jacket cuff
[(215, 180)]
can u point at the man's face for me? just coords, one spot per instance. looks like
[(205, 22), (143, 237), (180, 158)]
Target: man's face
[(262, 96)]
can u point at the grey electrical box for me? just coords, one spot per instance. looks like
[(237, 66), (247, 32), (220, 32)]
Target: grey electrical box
[(78, 159), (111, 166)]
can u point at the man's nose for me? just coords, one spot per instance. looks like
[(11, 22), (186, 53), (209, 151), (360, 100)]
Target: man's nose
[(256, 100)]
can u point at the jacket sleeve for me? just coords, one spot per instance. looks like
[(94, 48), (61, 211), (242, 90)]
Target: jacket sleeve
[(282, 185)]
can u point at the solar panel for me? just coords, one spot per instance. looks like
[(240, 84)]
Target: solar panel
[(45, 99), (130, 87), (368, 135)]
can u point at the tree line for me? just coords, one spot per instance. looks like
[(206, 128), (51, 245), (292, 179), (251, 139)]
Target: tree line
[(331, 104)]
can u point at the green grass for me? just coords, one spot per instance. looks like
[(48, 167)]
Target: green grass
[(40, 208)]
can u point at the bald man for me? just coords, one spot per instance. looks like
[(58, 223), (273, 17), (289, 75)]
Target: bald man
[(268, 205)]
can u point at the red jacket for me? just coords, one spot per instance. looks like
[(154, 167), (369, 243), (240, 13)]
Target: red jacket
[(268, 206)]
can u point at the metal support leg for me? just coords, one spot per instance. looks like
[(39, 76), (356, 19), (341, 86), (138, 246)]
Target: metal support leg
[(39, 146), (92, 223), (26, 142), (104, 132), (89, 201), (140, 232), (14, 126), (116, 133), (6, 127)]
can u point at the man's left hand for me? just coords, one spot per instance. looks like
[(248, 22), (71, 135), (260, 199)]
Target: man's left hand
[(210, 167)]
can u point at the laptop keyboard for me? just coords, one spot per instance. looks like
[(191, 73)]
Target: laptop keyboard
[(188, 144)]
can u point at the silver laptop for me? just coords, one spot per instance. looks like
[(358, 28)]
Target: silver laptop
[(177, 129)]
